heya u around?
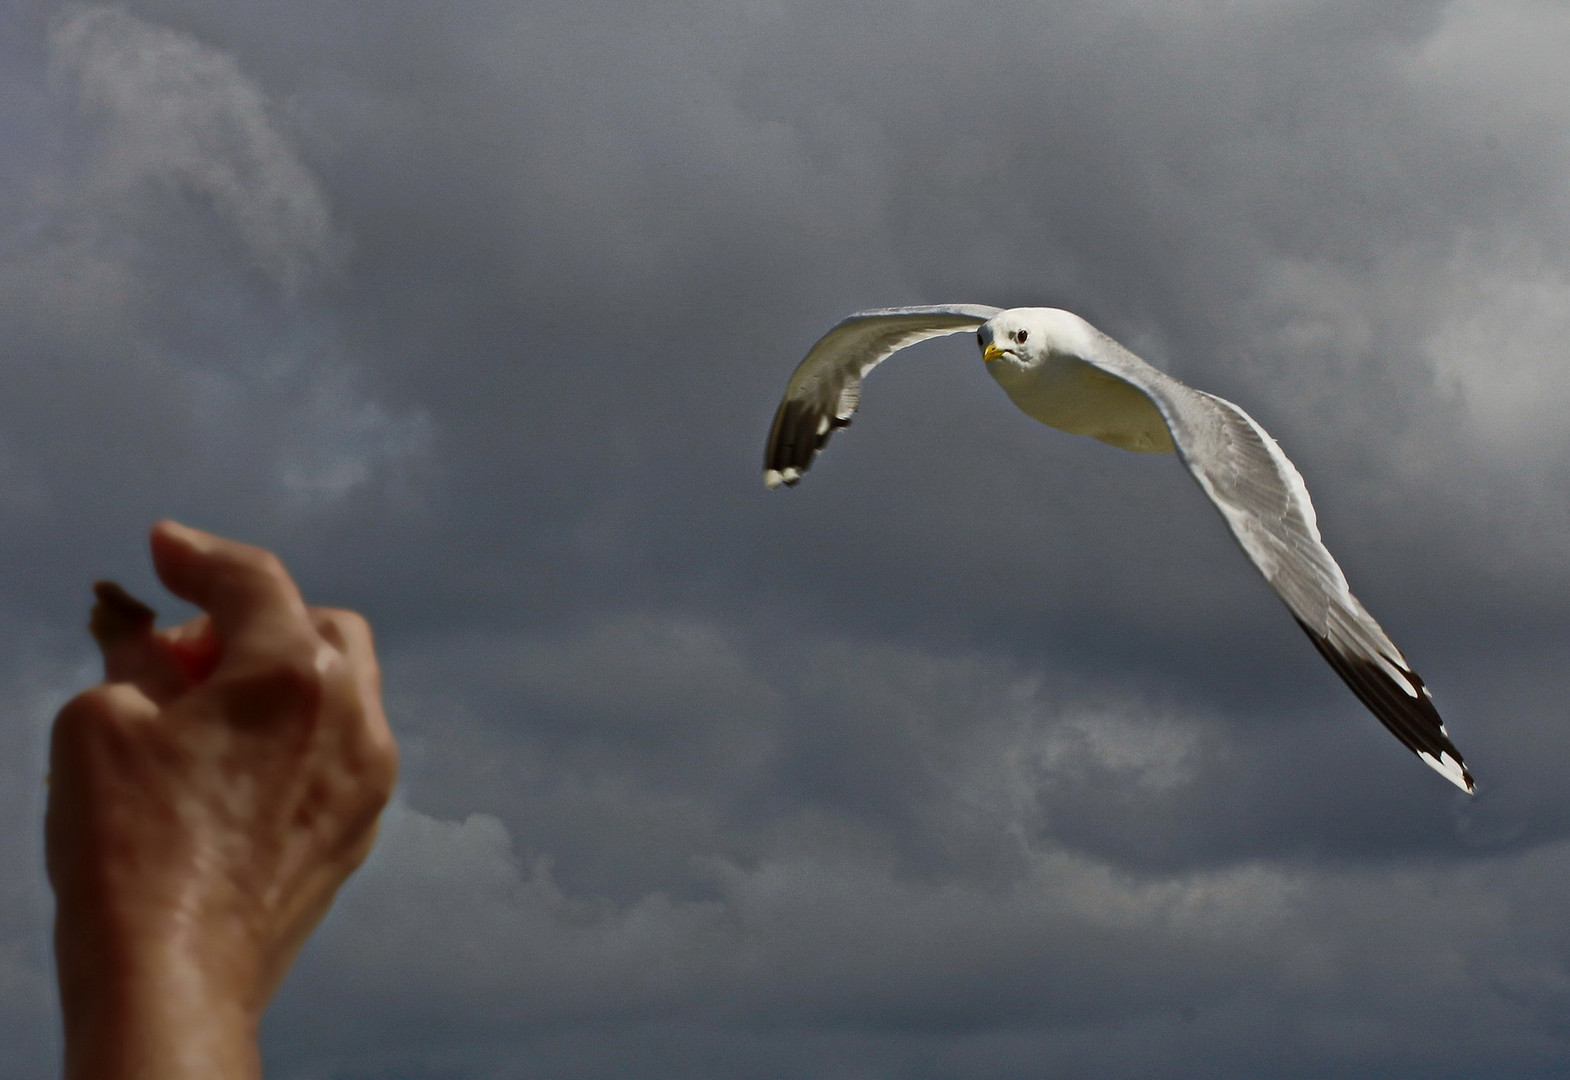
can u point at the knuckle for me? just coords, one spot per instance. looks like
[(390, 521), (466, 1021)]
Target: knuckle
[(271, 566), (351, 623), (97, 721), (276, 691), (260, 561), (257, 565), (346, 630), (81, 718), (102, 706), (88, 707)]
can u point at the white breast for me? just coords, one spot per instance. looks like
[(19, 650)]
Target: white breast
[(1066, 393)]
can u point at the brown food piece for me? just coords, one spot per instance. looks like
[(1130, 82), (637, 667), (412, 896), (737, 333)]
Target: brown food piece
[(117, 614)]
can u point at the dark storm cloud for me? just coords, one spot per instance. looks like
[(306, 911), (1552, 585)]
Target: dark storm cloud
[(982, 753)]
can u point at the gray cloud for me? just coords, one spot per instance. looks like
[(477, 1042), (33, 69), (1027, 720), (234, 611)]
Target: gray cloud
[(1245, 968)]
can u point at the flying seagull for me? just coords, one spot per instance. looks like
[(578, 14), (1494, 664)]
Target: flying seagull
[(1064, 372)]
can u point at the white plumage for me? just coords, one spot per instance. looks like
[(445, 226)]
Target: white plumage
[(1067, 374)]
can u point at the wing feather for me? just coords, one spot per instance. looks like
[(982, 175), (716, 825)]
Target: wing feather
[(825, 390), (1266, 505)]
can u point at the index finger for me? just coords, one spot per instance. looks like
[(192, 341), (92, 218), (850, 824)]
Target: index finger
[(253, 602)]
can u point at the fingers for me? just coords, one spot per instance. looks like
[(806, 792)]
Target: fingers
[(161, 664), (273, 656), (350, 635), (254, 605)]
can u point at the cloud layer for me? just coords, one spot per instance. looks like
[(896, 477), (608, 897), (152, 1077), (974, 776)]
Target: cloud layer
[(981, 754)]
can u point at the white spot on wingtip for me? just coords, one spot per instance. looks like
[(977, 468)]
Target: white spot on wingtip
[(823, 424), (772, 479), (1398, 674), (1449, 768)]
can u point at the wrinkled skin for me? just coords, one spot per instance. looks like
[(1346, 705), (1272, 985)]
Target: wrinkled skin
[(206, 801)]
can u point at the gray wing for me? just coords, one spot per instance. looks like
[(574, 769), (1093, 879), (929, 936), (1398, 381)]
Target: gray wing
[(823, 393), (1266, 505)]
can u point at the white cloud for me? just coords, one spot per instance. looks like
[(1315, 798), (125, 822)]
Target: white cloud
[(338, 442), (153, 292), (174, 116), (1499, 299), (1502, 321)]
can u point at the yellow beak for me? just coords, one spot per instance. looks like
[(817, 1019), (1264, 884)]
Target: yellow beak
[(991, 352)]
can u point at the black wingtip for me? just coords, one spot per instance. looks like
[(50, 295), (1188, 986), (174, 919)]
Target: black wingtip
[(799, 432), (1407, 713)]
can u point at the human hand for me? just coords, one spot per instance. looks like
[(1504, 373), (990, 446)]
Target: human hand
[(206, 801)]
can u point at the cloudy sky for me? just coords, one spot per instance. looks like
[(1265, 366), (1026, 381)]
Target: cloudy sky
[(981, 754)]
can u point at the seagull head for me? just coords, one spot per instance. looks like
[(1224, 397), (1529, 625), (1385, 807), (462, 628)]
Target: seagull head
[(1021, 338), (1005, 340)]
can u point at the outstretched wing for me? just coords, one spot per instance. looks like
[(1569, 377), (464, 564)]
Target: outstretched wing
[(1266, 505), (823, 393)]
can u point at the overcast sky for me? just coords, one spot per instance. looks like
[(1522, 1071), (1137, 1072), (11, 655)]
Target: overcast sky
[(983, 753)]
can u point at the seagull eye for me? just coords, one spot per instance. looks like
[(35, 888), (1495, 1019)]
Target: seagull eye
[(1021, 336)]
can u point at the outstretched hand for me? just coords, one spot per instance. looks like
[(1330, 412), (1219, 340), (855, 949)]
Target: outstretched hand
[(206, 801)]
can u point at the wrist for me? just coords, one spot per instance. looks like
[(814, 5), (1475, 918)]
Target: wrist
[(154, 1008)]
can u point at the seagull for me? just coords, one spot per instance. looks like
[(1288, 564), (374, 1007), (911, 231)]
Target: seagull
[(1062, 371)]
